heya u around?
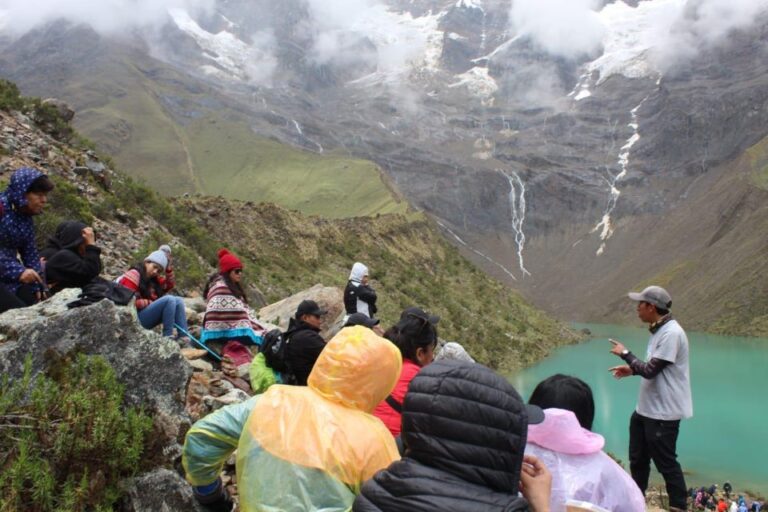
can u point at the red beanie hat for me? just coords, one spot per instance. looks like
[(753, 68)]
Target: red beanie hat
[(228, 261)]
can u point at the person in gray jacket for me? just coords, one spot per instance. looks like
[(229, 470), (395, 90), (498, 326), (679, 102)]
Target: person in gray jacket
[(665, 394)]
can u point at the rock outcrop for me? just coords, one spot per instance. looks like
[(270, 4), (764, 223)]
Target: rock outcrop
[(151, 367), (159, 491), (328, 297)]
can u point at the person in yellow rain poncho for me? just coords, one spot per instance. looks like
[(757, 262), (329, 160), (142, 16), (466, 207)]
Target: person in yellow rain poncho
[(303, 448)]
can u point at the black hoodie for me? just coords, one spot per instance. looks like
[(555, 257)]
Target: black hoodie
[(304, 347), (65, 267), (464, 429)]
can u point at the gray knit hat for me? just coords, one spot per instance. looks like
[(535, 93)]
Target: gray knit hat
[(158, 257)]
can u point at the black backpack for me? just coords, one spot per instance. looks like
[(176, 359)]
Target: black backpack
[(275, 349), (100, 289)]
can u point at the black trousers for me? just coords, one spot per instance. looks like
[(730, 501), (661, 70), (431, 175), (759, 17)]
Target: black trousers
[(25, 296), (656, 440)]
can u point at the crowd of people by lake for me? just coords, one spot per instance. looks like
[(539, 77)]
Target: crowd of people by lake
[(376, 419)]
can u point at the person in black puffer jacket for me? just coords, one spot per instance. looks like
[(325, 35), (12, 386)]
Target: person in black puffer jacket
[(464, 431)]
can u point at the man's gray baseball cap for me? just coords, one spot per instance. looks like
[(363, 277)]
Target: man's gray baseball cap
[(655, 295)]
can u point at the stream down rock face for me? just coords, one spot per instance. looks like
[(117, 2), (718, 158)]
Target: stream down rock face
[(151, 367)]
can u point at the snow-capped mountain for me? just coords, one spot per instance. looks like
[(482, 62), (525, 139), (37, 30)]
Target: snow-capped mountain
[(539, 135)]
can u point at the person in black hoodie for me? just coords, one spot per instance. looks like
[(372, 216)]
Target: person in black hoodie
[(464, 433), (304, 340), (72, 257)]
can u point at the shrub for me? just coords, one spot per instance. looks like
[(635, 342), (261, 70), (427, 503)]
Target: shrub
[(10, 98), (66, 441)]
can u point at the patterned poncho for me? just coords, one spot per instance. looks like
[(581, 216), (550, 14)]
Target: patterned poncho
[(228, 317)]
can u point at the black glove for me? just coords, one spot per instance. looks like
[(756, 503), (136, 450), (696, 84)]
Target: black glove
[(216, 501)]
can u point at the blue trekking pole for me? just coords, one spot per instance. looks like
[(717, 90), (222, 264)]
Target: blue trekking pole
[(200, 343)]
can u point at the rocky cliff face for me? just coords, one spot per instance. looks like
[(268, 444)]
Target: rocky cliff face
[(522, 156)]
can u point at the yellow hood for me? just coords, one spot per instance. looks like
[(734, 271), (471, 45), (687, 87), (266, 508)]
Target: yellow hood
[(356, 369)]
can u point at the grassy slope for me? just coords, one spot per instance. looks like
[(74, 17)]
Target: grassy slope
[(236, 164), (723, 285), (207, 153)]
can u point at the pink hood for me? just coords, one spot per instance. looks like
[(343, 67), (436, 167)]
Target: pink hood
[(561, 432)]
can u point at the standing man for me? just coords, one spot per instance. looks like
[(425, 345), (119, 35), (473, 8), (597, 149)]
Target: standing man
[(665, 395)]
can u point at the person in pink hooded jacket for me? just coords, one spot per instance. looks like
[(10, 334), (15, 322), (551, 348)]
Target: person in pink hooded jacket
[(581, 470)]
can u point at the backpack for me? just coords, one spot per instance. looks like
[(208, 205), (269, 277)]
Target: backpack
[(100, 289), (274, 346)]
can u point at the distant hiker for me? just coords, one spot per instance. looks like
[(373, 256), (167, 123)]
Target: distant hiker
[(721, 505), (580, 469), (734, 507), (152, 306), (305, 343), (416, 337), (227, 315), (464, 430), (21, 273), (359, 297), (365, 321), (303, 448), (167, 280), (727, 489), (74, 259), (665, 394)]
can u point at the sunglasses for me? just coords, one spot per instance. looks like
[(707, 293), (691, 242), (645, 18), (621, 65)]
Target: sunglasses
[(238, 271)]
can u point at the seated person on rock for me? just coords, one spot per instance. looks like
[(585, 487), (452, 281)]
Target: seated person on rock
[(21, 273), (152, 306), (72, 258), (359, 297), (464, 430), (167, 281), (415, 335), (581, 471), (302, 447), (227, 315), (305, 343)]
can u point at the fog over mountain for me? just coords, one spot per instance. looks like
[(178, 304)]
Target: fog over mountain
[(544, 136)]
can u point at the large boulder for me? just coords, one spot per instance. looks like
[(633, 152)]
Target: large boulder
[(151, 367), (161, 490), (328, 297), (64, 109)]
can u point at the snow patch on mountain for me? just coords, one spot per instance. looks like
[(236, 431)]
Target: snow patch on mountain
[(233, 57), (479, 83)]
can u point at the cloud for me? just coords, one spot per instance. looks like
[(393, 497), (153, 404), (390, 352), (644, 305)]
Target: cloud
[(349, 31), (683, 29), (105, 16), (565, 28)]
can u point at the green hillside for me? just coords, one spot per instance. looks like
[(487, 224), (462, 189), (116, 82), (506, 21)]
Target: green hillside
[(170, 134)]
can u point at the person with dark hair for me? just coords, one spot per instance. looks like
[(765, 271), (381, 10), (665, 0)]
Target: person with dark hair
[(304, 341), (416, 337), (565, 392), (564, 442), (464, 431), (152, 306), (665, 394), (21, 272), (227, 315), (359, 297), (74, 260), (366, 321)]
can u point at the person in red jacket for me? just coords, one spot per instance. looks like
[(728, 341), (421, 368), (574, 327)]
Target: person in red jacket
[(416, 337)]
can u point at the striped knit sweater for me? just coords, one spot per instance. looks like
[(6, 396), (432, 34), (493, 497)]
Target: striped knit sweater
[(225, 312), (131, 280)]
